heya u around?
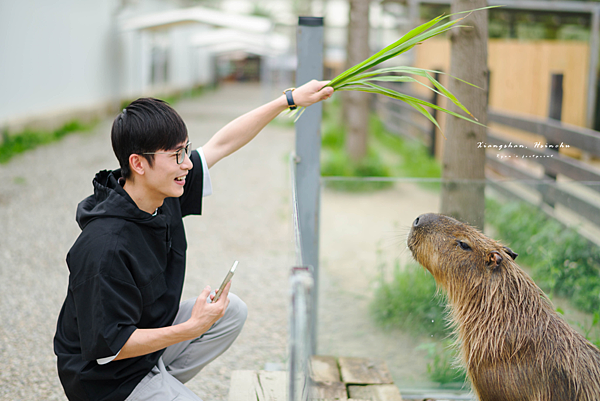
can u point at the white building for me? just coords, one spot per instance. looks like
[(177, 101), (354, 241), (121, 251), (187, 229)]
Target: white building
[(71, 58)]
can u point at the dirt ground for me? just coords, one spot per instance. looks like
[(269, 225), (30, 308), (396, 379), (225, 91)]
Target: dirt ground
[(362, 236)]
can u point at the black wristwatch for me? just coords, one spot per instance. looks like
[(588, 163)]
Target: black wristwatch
[(290, 98)]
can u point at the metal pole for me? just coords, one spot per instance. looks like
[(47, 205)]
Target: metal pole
[(308, 149)]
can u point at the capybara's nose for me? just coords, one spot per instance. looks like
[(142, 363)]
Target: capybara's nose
[(423, 219)]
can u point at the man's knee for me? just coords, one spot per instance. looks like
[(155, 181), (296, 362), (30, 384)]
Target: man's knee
[(237, 310)]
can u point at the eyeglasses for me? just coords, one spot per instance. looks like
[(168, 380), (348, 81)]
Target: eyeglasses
[(186, 150)]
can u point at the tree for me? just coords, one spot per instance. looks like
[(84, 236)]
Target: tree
[(463, 161), (356, 104)]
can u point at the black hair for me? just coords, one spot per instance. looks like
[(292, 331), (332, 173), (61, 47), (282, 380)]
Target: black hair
[(146, 125)]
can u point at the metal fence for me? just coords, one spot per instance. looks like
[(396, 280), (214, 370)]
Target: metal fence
[(510, 157), (302, 286)]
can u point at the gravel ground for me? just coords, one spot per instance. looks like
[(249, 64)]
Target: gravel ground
[(248, 218)]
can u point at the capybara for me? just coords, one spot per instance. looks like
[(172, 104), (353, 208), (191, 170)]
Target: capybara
[(515, 347)]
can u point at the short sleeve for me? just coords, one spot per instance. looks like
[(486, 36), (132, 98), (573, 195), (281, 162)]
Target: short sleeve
[(191, 200), (206, 184), (105, 324)]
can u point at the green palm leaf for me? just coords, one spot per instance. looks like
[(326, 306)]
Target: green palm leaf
[(361, 77)]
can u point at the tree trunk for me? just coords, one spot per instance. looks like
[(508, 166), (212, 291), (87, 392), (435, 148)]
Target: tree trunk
[(356, 104), (463, 161)]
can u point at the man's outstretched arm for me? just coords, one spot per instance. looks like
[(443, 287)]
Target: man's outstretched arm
[(243, 129)]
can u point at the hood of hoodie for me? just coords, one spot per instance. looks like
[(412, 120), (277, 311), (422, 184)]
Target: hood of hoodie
[(110, 200)]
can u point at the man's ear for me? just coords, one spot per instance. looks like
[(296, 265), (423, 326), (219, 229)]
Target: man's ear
[(137, 164)]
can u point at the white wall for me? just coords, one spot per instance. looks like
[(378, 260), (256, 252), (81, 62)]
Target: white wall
[(60, 57), (56, 55)]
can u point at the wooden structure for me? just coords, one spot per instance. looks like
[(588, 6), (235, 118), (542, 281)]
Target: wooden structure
[(331, 379), (588, 63), (520, 74)]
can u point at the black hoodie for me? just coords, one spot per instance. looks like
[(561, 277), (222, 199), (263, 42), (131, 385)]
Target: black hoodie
[(126, 272)]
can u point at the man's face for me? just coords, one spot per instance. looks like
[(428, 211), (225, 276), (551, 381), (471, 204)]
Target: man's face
[(166, 178)]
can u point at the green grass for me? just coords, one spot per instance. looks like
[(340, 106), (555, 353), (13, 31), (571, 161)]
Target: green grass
[(336, 162), (443, 368), (14, 144), (562, 262), (411, 303), (413, 156), (388, 155)]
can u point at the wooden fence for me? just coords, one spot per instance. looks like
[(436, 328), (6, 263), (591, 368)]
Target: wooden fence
[(535, 156)]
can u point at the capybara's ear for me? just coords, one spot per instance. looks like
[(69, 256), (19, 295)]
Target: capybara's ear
[(512, 254), (494, 259)]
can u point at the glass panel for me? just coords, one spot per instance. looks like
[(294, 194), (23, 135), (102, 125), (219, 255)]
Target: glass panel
[(375, 301)]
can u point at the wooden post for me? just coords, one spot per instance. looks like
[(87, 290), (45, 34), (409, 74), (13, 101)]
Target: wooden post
[(434, 114), (556, 96), (463, 177), (555, 113), (593, 68)]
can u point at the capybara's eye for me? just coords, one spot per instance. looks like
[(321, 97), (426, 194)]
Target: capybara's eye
[(464, 245)]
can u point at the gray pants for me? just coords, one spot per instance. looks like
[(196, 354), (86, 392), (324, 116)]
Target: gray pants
[(180, 362)]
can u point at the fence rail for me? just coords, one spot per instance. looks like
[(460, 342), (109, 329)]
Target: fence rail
[(553, 130), (506, 150)]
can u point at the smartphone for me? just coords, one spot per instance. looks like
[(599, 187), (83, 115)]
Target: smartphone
[(225, 281)]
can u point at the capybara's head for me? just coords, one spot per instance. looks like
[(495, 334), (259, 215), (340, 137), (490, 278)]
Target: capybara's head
[(455, 252)]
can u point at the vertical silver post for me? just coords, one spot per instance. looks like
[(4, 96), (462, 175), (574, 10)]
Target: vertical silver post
[(308, 149)]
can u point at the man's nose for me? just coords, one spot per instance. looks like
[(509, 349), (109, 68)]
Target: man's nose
[(187, 162)]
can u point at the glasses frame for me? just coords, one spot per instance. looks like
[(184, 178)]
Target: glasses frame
[(180, 153)]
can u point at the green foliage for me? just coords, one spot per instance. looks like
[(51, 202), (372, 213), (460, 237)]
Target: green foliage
[(414, 157), (443, 368), (13, 144), (336, 162), (563, 263), (574, 32), (388, 155), (409, 302), (506, 23), (591, 329), (362, 76)]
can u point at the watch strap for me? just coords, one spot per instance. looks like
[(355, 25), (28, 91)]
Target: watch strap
[(290, 98)]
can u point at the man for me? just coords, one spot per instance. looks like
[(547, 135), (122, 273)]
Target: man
[(121, 333)]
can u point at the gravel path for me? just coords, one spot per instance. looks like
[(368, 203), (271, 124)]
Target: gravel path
[(248, 218)]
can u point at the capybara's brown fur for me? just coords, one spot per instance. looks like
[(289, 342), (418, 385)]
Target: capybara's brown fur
[(514, 345)]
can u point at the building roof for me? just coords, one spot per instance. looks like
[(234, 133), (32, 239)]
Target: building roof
[(197, 15), (233, 39)]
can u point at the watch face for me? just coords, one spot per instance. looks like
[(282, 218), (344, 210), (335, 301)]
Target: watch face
[(290, 99)]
